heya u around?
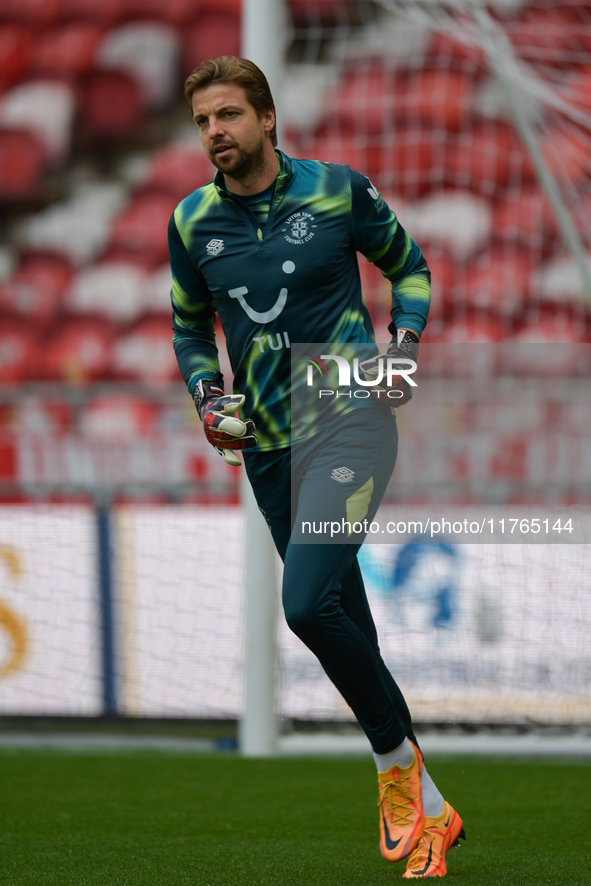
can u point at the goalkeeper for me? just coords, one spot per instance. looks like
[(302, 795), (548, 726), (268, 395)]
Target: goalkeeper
[(270, 246)]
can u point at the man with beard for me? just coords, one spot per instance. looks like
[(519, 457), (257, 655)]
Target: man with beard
[(270, 245)]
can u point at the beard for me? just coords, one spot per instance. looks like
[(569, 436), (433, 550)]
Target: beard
[(244, 162)]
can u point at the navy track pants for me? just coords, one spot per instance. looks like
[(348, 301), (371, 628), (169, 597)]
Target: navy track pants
[(324, 598)]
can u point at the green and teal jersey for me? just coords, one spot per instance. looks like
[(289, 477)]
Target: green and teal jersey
[(294, 278)]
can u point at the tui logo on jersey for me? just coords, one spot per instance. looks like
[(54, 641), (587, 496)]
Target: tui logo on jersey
[(214, 247), (299, 228)]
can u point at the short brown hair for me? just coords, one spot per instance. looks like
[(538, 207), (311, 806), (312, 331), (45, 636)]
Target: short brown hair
[(243, 72)]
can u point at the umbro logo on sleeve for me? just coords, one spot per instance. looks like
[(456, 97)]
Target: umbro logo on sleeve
[(214, 247)]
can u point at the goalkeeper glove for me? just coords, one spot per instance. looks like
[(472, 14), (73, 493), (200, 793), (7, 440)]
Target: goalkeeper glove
[(223, 430), (405, 347)]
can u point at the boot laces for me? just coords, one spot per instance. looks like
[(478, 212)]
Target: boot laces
[(398, 797)]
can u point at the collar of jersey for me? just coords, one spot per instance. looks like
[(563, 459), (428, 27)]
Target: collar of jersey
[(285, 173)]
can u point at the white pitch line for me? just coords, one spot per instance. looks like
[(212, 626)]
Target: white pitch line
[(532, 744), (98, 741), (577, 744)]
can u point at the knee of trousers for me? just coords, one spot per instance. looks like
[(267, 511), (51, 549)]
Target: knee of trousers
[(306, 620)]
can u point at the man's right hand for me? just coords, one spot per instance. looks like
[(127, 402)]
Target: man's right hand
[(224, 431)]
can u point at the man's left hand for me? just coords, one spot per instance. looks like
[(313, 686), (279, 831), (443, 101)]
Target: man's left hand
[(394, 390)]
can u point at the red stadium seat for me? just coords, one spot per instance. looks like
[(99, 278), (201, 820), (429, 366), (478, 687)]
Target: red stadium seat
[(67, 51), (16, 47), (566, 151), (357, 153), (319, 11), (117, 417), (174, 12), (227, 7), (37, 287), (112, 105), (40, 13), (52, 271), (148, 52), (578, 90), (22, 161), (178, 12), (146, 353), (498, 280), (543, 34), (100, 12), (214, 35), (364, 101), (412, 163), (46, 107), (488, 157), (463, 56), (143, 224), (178, 168), (524, 217), (19, 350), (369, 101), (434, 98), (80, 351)]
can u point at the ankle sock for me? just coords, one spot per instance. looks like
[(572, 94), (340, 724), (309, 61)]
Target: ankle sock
[(401, 756), (432, 798)]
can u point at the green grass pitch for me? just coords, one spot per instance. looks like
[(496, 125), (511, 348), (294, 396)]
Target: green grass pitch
[(139, 819)]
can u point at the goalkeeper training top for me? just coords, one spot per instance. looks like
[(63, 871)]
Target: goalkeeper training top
[(298, 281)]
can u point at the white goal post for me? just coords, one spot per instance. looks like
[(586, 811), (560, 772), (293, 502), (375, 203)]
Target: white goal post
[(263, 41)]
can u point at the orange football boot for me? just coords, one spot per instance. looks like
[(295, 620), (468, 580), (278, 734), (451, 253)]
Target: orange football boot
[(402, 817), (428, 859)]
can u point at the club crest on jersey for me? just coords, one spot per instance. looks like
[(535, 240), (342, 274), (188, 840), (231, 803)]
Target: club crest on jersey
[(343, 475), (214, 247), (299, 228)]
